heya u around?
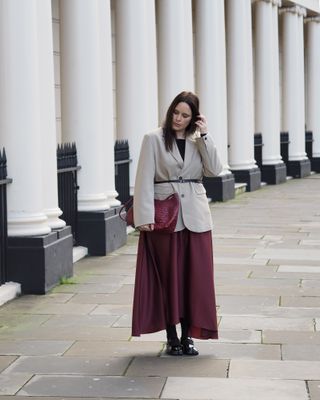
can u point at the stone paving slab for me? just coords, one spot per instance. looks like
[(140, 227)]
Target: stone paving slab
[(94, 386), (235, 290), (292, 262), (247, 300), (302, 301), (112, 309), (58, 308), (69, 333), (51, 365), (310, 283), (62, 321), (277, 312), (124, 321), (290, 337), (233, 260), (261, 323), (260, 283), (104, 279), (301, 370), (100, 298), (34, 347), (314, 388), (18, 320), (11, 383), (5, 361), (299, 268), (301, 352), (284, 275), (63, 398), (231, 389), (225, 336), (178, 366), (243, 351), (87, 288), (114, 349), (243, 267), (36, 300)]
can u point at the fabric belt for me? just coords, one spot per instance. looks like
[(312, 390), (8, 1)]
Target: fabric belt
[(181, 180)]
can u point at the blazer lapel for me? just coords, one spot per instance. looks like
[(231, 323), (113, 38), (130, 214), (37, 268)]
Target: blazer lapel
[(176, 154), (188, 152)]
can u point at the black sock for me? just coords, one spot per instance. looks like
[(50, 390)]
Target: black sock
[(184, 328), (171, 332)]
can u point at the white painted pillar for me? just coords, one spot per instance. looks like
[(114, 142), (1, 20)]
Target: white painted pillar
[(276, 67), (175, 50), (313, 81), (293, 98), (47, 114), (267, 80), (211, 76), (136, 84), (240, 85), (87, 109), (20, 115)]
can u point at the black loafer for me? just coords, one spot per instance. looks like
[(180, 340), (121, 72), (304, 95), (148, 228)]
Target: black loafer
[(174, 347), (188, 347)]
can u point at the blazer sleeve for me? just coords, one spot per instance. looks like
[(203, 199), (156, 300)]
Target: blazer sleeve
[(143, 200), (211, 163)]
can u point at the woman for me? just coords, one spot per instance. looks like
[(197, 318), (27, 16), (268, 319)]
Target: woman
[(174, 277)]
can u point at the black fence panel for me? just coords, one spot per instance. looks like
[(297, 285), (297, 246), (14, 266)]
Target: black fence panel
[(3, 217), (284, 145), (68, 185), (309, 144), (122, 161), (258, 149)]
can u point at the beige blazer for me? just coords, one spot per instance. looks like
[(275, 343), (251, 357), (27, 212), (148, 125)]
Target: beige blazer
[(157, 164)]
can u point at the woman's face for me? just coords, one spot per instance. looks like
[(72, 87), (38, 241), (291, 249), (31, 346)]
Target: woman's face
[(181, 117)]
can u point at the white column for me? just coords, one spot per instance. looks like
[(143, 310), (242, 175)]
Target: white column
[(293, 107), (175, 50), (313, 81), (87, 112), (136, 64), (211, 75), (240, 85), (267, 80), (20, 116), (276, 68), (47, 114)]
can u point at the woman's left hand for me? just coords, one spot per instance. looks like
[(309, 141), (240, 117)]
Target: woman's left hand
[(147, 227), (202, 123)]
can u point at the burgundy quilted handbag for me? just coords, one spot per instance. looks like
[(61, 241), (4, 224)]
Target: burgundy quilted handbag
[(166, 213)]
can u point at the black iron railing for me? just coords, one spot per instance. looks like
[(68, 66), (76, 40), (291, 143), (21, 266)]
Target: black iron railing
[(258, 149), (284, 145), (3, 217), (68, 185), (122, 161), (309, 144)]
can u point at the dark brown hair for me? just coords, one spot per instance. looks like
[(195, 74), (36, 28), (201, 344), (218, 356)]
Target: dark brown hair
[(193, 102)]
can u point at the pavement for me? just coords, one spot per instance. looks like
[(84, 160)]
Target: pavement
[(75, 341)]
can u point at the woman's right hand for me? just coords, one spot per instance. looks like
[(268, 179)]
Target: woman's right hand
[(147, 227)]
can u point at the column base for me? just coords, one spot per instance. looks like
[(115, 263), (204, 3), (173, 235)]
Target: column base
[(39, 262), (274, 174), (299, 169), (315, 164), (101, 231), (220, 188), (252, 177)]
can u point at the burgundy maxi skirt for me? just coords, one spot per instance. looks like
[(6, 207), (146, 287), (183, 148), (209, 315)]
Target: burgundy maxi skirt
[(174, 280)]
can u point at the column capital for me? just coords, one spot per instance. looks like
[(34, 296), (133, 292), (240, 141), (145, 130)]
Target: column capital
[(300, 11), (273, 2), (312, 19)]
